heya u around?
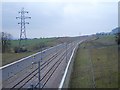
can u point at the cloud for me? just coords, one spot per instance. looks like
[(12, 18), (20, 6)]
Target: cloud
[(71, 9), (61, 19)]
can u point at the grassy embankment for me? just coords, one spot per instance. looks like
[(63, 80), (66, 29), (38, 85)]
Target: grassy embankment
[(33, 46), (99, 56)]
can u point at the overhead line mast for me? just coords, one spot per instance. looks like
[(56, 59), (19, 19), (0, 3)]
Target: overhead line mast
[(22, 23)]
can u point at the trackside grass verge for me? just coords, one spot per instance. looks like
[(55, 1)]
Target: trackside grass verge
[(99, 57)]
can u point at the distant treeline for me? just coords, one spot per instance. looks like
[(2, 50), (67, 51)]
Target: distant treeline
[(7, 43)]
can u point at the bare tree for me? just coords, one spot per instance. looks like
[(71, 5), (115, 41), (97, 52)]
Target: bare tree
[(6, 41)]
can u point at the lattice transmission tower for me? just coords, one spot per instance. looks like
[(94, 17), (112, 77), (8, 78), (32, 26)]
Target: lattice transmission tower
[(23, 23)]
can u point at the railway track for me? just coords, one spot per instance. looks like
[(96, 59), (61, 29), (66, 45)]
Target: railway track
[(48, 74), (33, 74), (24, 73), (28, 77)]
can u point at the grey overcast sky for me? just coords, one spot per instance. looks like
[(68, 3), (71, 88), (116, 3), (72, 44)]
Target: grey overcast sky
[(54, 19)]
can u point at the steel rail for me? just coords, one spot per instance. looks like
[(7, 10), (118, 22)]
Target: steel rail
[(50, 59), (60, 59), (26, 67), (48, 70)]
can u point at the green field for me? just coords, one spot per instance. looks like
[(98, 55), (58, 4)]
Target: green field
[(11, 57), (33, 46), (96, 64), (34, 43)]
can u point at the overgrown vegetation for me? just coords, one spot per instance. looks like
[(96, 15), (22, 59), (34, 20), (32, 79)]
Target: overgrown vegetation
[(118, 38), (101, 56)]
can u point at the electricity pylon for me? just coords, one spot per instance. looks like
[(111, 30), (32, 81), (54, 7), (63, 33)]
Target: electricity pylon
[(22, 23)]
